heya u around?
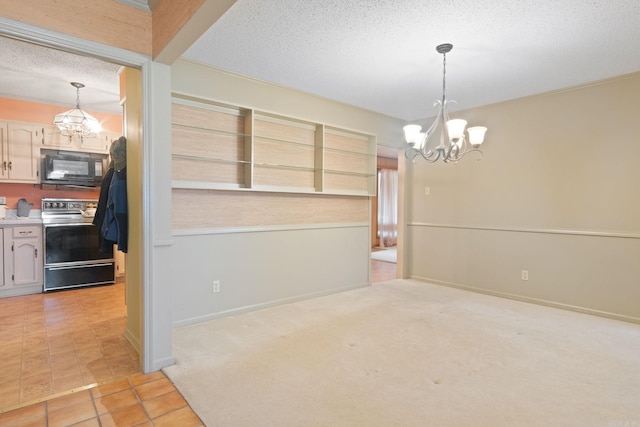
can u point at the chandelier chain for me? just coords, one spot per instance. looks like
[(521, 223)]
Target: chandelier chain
[(444, 76)]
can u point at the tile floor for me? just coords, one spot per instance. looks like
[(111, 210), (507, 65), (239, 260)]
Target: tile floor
[(59, 341), (138, 400), (64, 361)]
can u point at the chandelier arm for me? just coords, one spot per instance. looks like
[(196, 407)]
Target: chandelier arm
[(411, 153), (434, 125), (429, 157), (470, 151)]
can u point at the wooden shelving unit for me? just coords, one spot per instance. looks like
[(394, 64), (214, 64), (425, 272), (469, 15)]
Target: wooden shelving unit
[(222, 147)]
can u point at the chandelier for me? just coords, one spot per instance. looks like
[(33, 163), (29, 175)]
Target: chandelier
[(453, 143), (76, 121)]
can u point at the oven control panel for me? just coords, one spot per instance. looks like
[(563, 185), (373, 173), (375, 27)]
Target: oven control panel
[(67, 205)]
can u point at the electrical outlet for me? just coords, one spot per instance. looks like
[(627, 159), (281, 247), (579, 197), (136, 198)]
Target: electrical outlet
[(525, 275), (216, 286)]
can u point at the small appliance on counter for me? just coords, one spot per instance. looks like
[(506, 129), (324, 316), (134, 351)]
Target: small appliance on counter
[(3, 207)]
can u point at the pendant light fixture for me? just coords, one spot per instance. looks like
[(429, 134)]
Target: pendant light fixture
[(76, 121), (453, 143)]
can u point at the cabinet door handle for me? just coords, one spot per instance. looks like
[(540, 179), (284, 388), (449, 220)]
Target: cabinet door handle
[(26, 232), (9, 165), (4, 165), (36, 252)]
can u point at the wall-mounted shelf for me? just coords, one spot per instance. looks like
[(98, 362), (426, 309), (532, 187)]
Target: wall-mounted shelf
[(219, 146)]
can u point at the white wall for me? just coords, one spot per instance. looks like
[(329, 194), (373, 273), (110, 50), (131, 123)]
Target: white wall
[(556, 195), (262, 268)]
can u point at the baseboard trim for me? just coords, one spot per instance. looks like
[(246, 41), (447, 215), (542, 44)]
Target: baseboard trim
[(159, 364), (246, 309), (578, 309), (133, 340)]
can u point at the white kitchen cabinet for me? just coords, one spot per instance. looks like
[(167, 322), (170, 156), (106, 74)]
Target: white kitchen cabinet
[(99, 143), (22, 260), (19, 152), (52, 137), (2, 281)]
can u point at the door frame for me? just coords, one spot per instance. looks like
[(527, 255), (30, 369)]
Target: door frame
[(155, 333)]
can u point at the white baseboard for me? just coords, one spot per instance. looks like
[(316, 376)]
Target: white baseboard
[(239, 310), (608, 315)]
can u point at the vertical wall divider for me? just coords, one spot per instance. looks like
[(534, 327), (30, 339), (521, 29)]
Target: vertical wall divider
[(319, 158), (248, 149)]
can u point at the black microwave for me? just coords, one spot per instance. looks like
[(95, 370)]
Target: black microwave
[(72, 168)]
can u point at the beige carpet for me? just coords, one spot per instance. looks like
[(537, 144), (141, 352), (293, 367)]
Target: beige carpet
[(386, 255), (405, 353)]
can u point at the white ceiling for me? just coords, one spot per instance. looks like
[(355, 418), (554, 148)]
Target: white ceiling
[(35, 73), (380, 54), (376, 54)]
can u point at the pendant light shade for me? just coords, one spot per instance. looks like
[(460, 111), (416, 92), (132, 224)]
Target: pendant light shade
[(76, 121)]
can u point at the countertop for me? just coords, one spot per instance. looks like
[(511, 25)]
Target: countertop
[(34, 218), (21, 221)]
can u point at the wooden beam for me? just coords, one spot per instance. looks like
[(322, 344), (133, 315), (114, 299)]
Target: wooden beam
[(177, 25)]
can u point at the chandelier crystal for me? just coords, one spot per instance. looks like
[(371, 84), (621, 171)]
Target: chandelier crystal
[(76, 121), (453, 144)]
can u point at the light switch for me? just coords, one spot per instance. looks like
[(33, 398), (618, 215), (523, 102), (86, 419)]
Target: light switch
[(427, 191)]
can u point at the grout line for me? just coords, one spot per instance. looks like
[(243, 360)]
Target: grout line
[(61, 394)]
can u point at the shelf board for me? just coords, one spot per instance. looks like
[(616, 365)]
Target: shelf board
[(350, 173), (210, 159), (200, 185), (287, 167), (210, 130)]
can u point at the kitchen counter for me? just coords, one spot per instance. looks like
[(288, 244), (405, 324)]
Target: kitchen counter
[(34, 218), (21, 221)]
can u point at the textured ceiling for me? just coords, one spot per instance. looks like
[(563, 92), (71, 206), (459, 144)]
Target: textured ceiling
[(380, 54), (375, 54), (35, 73)]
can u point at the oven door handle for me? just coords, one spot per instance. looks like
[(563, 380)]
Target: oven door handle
[(66, 224), (79, 266)]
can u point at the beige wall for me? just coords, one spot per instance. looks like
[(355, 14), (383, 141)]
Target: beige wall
[(197, 80), (285, 246), (132, 107), (556, 195)]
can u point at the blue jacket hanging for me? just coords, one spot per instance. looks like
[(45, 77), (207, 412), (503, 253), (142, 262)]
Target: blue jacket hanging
[(115, 227)]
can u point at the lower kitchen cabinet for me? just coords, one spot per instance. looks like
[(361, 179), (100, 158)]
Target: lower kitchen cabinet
[(23, 260)]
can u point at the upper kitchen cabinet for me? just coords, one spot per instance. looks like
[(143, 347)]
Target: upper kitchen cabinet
[(99, 143), (54, 139), (19, 152)]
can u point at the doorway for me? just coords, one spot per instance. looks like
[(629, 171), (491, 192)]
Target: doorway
[(70, 338), (384, 221)]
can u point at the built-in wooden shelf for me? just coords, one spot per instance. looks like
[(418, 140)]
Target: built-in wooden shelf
[(224, 147)]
